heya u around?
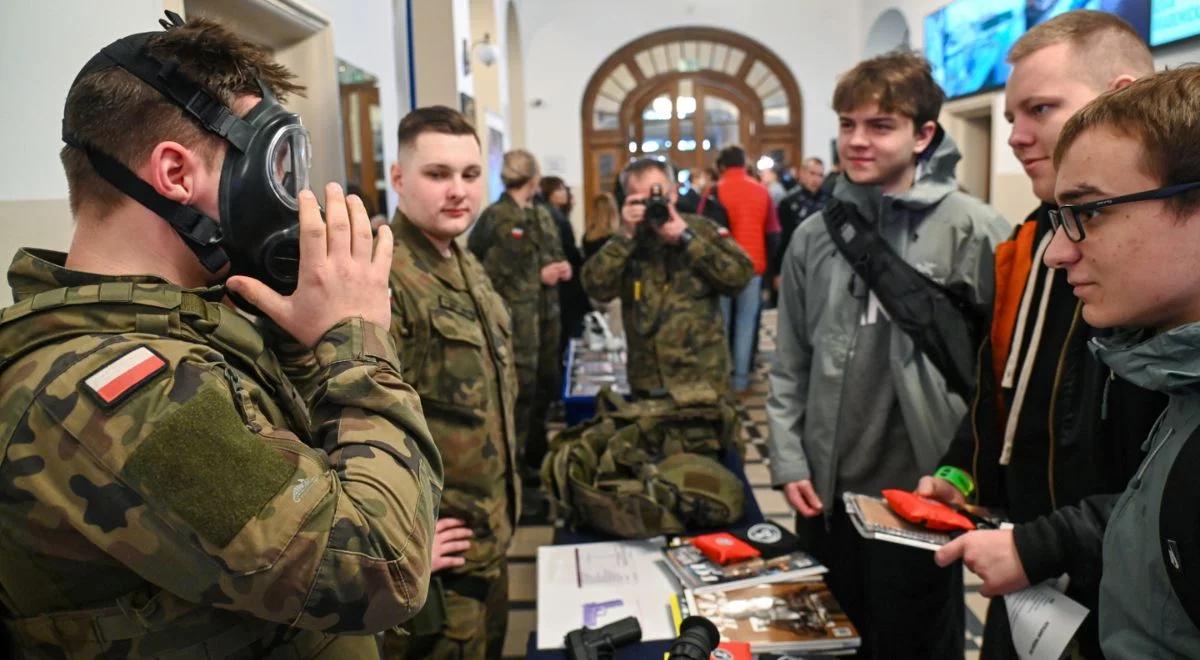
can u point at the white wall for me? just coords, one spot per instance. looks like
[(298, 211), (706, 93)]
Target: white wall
[(565, 41), (43, 45), (364, 34)]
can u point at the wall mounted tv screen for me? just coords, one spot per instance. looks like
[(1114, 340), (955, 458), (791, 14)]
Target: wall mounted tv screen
[(966, 41), (1173, 20)]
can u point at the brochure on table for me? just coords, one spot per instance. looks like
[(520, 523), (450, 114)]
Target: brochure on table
[(594, 584)]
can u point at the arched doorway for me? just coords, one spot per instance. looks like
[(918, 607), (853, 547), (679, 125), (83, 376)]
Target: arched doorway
[(683, 94)]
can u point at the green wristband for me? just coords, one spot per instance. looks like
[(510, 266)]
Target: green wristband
[(959, 479)]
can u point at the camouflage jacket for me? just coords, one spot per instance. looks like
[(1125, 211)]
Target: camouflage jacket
[(669, 302), (514, 244), (164, 490), (456, 351)]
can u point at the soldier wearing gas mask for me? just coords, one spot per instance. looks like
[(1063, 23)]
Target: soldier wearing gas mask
[(669, 271), (165, 489)]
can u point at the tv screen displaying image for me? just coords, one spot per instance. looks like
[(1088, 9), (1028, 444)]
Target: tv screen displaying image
[(1173, 20), (967, 41)]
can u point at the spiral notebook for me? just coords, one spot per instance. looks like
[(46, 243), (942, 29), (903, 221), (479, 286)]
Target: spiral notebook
[(874, 519)]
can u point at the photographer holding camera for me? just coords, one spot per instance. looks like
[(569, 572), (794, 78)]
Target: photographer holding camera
[(669, 271)]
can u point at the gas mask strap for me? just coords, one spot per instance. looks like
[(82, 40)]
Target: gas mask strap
[(200, 233), (166, 77)]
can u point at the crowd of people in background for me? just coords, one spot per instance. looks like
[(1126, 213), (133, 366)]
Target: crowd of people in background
[(338, 467)]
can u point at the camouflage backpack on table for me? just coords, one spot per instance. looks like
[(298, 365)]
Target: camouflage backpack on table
[(648, 467)]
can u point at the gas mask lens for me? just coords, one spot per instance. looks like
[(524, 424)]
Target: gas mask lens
[(288, 162)]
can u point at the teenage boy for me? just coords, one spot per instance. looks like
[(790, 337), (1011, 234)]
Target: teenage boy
[(854, 405), (1128, 236), (1051, 424), (453, 331)]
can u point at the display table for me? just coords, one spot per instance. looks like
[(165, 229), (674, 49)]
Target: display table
[(586, 372), (646, 650)]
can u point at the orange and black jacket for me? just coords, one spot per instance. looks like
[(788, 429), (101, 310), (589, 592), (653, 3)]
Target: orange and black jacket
[(1079, 429)]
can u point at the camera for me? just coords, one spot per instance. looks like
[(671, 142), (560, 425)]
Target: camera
[(657, 213)]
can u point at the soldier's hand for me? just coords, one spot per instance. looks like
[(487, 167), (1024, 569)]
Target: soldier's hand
[(564, 271), (632, 214), (992, 555), (549, 274), (343, 271), (803, 498), (936, 488), (672, 229), (450, 537)]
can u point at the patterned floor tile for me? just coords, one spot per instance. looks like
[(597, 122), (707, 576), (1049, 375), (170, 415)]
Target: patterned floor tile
[(520, 624)]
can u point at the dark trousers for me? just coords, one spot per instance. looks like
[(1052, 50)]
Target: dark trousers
[(903, 605)]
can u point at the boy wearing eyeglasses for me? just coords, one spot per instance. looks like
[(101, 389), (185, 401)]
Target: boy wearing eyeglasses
[(1049, 424), (1127, 234)]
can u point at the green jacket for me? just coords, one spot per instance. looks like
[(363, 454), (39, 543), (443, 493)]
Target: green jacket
[(190, 503), (456, 351), (669, 302), (514, 244)]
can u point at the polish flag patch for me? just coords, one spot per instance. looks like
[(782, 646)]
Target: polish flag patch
[(112, 383), (517, 233), (724, 233)]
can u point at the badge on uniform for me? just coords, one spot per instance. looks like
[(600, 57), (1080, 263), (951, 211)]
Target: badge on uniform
[(517, 233), (115, 381), (724, 233)]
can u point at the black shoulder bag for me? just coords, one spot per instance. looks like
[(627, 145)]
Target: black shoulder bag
[(943, 324)]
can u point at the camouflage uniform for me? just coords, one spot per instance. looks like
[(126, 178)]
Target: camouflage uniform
[(514, 244), (669, 302), (456, 352), (207, 511)]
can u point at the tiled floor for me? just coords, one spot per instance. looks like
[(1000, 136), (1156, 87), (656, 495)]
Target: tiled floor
[(522, 618)]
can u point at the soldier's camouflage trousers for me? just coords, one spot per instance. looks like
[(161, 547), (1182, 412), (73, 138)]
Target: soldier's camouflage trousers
[(539, 376), (465, 618)]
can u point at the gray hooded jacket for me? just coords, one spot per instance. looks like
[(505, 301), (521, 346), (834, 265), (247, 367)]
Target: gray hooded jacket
[(1141, 615), (942, 232)]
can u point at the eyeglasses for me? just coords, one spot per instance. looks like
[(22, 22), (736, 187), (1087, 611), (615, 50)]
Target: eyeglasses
[(1070, 217)]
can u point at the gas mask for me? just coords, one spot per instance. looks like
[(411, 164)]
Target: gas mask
[(265, 168)]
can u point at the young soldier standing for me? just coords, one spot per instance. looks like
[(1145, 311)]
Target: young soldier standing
[(457, 353), (164, 489), (518, 244), (854, 405), (1051, 424), (1128, 236)]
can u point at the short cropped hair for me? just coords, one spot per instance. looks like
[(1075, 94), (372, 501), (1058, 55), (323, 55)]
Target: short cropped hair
[(520, 167), (813, 159), (1162, 112), (639, 167), (432, 119), (103, 105), (899, 82), (1106, 45), (731, 156)]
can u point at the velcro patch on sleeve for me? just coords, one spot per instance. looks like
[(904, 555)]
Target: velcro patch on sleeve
[(723, 232), (115, 381), (206, 466)]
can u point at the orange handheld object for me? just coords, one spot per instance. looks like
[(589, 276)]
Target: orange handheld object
[(924, 511), (724, 548)]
